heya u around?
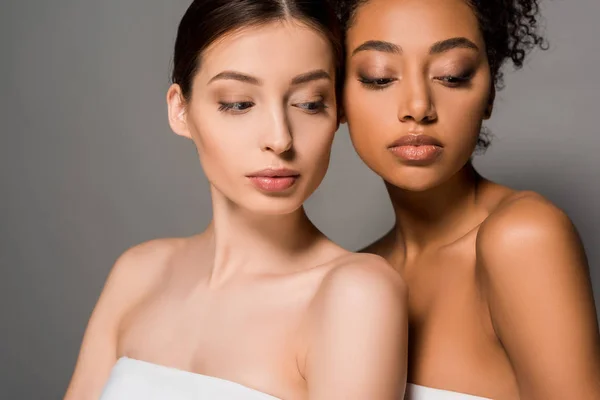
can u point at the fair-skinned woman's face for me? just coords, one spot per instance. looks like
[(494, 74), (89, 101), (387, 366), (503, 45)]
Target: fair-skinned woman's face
[(418, 86), (262, 114)]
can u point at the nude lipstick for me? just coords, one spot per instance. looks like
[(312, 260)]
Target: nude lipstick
[(417, 149), (274, 179)]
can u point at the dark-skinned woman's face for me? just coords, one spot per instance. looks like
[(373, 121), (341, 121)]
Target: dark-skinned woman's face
[(418, 86)]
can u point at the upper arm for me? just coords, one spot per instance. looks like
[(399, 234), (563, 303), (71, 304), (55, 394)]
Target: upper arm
[(125, 285), (358, 336), (541, 301)]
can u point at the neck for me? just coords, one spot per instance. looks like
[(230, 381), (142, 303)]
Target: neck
[(248, 242), (437, 216)]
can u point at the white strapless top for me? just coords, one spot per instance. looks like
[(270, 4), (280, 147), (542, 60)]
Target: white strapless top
[(132, 379), (140, 380), (416, 392)]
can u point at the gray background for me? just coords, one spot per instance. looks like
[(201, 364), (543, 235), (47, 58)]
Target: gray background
[(88, 166)]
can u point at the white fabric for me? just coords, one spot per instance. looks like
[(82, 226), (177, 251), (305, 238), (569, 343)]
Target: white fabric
[(139, 380), (416, 392), (132, 379)]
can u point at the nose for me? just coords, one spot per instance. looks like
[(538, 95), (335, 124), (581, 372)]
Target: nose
[(417, 103), (277, 137)]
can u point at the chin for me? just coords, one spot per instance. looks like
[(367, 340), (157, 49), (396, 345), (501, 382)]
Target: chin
[(274, 206), (271, 204), (412, 186), (414, 179), (281, 203)]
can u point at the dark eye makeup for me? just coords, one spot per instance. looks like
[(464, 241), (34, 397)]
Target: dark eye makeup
[(240, 107), (235, 107), (456, 80), (311, 107), (375, 83), (449, 80)]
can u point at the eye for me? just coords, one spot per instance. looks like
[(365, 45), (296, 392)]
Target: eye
[(236, 107), (454, 80), (375, 83), (312, 107)]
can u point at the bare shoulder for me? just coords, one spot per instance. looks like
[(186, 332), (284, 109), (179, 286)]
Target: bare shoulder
[(152, 251), (133, 275), (362, 280), (526, 222), (138, 268), (358, 313), (526, 204), (524, 242), (143, 262), (536, 282)]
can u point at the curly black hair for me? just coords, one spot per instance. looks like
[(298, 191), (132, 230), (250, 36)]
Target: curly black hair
[(509, 28)]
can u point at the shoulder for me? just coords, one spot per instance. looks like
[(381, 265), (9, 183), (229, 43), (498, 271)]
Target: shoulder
[(144, 260), (359, 313), (536, 283), (528, 252), (133, 275), (360, 285), (136, 272), (526, 225), (149, 254), (525, 213), (362, 274)]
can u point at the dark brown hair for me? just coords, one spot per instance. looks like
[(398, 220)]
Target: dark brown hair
[(208, 20)]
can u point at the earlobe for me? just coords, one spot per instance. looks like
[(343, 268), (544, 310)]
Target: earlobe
[(341, 116), (490, 105), (488, 112), (177, 108)]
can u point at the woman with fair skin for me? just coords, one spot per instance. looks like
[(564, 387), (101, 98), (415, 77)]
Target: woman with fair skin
[(500, 302), (260, 305)]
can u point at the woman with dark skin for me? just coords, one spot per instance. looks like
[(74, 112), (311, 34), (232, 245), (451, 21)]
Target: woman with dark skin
[(500, 301)]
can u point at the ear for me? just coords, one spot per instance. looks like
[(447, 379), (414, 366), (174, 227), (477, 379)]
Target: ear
[(341, 114), (177, 108), (342, 119), (490, 105)]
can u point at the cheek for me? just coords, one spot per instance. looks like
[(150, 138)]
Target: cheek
[(222, 146), (313, 137), (460, 115)]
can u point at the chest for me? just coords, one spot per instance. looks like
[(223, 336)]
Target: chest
[(452, 342), (441, 284), (246, 333)]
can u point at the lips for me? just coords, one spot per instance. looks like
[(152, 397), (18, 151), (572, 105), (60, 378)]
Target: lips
[(274, 180), (416, 140), (417, 149)]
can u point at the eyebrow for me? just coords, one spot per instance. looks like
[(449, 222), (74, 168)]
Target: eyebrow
[(298, 80), (452, 43), (310, 76), (236, 76), (437, 48), (378, 45)]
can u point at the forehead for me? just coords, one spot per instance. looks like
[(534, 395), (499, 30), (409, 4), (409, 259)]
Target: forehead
[(414, 22), (277, 49)]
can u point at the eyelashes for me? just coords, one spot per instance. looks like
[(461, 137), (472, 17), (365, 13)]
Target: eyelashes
[(312, 107), (451, 81), (456, 80), (376, 83), (236, 107), (242, 107)]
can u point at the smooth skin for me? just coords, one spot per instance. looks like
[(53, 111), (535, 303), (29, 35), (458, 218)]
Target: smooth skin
[(260, 298), (500, 301)]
